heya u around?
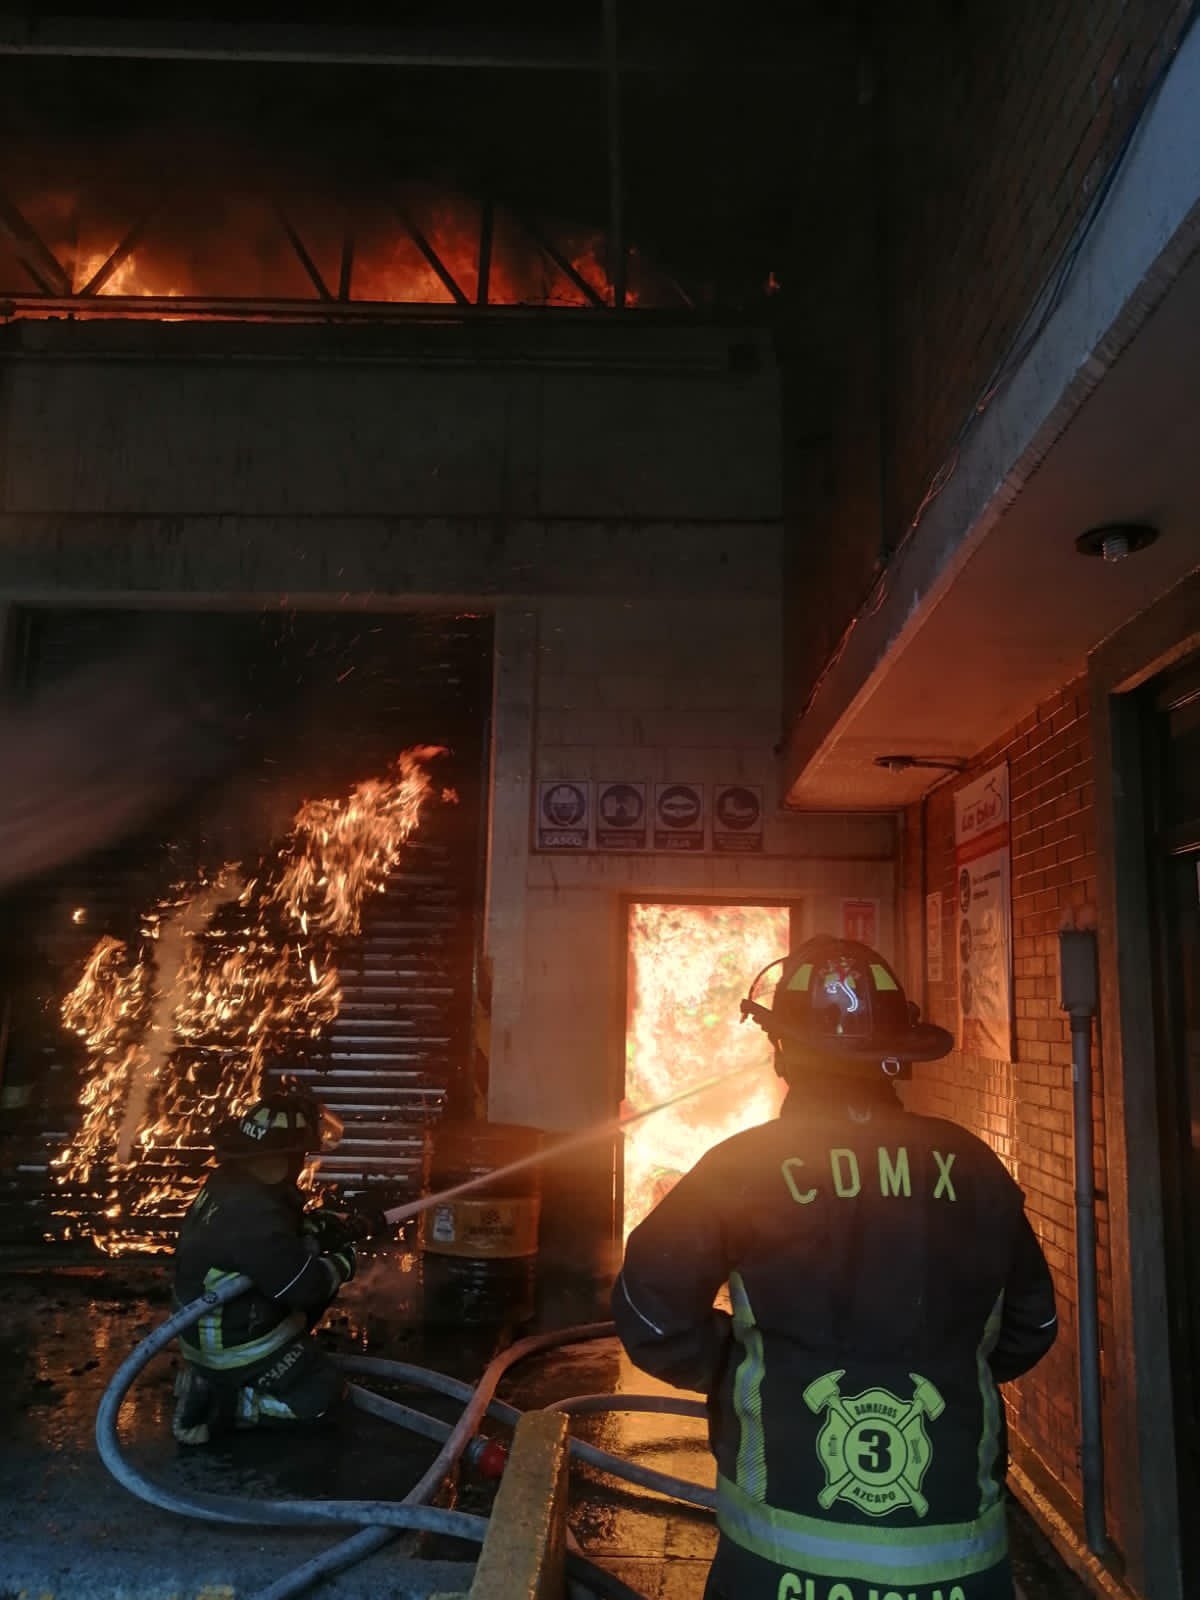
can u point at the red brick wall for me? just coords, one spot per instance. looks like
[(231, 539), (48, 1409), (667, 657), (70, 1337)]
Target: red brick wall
[(1023, 1108)]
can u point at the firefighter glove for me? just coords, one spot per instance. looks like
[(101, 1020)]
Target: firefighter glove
[(328, 1229), (344, 1261)]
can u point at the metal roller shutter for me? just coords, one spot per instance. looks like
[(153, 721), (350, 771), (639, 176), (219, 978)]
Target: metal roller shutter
[(330, 701)]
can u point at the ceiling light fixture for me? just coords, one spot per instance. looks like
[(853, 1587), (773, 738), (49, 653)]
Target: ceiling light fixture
[(1114, 541), (902, 763)]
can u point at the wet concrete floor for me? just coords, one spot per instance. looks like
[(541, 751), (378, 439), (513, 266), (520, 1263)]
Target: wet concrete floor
[(68, 1530)]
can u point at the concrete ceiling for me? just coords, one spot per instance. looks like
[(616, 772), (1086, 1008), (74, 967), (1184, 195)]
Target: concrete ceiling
[(1025, 609)]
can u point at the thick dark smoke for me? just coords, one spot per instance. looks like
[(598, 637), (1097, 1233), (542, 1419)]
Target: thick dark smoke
[(92, 758)]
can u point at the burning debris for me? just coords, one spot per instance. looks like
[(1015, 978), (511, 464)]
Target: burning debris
[(229, 977), (688, 967)]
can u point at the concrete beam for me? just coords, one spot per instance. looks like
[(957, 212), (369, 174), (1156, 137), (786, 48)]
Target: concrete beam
[(185, 419), (369, 562), (524, 1553), (514, 716), (293, 43)]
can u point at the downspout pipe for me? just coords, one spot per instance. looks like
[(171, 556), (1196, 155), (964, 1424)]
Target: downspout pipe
[(1080, 999)]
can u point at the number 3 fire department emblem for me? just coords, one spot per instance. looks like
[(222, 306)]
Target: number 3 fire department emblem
[(873, 1446)]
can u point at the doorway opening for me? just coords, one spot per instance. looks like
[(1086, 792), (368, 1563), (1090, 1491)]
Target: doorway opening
[(689, 964), (1174, 725)]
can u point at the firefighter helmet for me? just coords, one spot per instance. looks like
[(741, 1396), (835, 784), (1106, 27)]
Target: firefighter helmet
[(841, 1000), (288, 1122)]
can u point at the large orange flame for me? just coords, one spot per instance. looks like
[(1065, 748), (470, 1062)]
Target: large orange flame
[(128, 279), (242, 251), (228, 975), (689, 966)]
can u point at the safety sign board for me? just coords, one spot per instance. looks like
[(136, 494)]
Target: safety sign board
[(679, 816), (860, 920), (983, 915), (737, 822), (564, 815), (621, 816)]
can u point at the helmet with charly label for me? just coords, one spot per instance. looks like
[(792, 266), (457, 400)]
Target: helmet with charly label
[(286, 1122)]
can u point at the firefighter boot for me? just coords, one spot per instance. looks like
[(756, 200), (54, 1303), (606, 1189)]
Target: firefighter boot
[(194, 1406)]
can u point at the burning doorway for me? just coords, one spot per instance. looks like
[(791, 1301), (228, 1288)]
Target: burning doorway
[(689, 964)]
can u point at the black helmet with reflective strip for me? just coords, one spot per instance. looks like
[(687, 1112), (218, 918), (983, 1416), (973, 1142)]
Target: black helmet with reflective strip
[(841, 1000), (278, 1124)]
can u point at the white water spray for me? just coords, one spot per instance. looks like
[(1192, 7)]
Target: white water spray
[(573, 1141)]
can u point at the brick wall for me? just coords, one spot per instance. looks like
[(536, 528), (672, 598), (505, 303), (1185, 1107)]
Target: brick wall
[(945, 203), (1001, 120), (1023, 1108)]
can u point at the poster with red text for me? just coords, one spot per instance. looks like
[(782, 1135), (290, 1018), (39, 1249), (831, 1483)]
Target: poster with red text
[(983, 915)]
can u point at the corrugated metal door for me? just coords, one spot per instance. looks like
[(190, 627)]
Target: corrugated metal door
[(319, 703)]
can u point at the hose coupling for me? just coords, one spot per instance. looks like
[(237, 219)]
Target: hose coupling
[(486, 1457)]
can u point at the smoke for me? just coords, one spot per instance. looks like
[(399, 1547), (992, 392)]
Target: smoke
[(93, 757), (385, 1294)]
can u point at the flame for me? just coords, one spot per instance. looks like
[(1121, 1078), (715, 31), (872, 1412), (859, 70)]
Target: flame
[(130, 278), (689, 965), (238, 248), (109, 1006), (341, 850), (229, 976)]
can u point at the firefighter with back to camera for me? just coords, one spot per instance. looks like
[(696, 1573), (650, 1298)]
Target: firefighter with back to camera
[(253, 1360), (883, 1278)]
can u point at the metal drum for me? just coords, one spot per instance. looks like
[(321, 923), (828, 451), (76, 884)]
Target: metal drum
[(479, 1251)]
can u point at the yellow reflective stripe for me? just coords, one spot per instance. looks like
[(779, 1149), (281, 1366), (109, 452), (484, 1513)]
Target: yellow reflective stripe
[(254, 1405), (943, 1553), (211, 1351), (241, 1355), (208, 1329), (270, 1405), (989, 1438), (747, 1393)]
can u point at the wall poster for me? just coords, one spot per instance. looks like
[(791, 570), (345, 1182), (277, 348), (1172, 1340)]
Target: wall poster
[(860, 921), (934, 969), (983, 915)]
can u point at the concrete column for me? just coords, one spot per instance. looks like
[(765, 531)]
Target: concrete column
[(514, 715)]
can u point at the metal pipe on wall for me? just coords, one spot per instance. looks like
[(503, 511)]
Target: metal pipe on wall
[(616, 180), (13, 652), (1080, 997)]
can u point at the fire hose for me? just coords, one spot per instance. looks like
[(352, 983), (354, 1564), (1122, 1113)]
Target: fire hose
[(377, 1521)]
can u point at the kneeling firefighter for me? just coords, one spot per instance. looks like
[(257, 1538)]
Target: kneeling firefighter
[(883, 1279), (253, 1359)]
